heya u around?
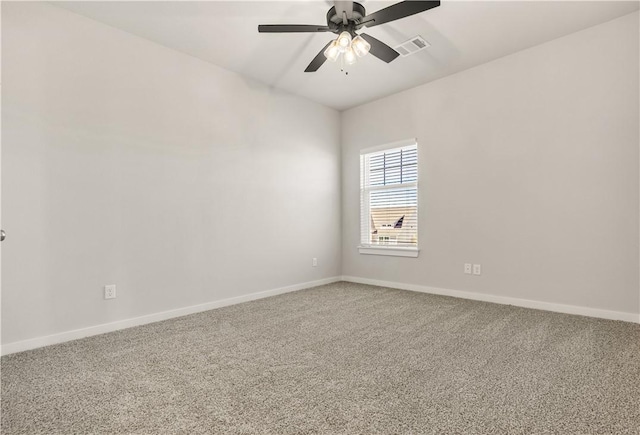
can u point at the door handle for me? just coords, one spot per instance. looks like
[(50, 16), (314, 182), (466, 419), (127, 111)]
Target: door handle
[(3, 235)]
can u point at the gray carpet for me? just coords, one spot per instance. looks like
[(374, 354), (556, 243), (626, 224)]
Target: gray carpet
[(341, 358)]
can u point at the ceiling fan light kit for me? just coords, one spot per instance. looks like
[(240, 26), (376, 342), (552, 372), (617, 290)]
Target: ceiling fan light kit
[(344, 19), (350, 49)]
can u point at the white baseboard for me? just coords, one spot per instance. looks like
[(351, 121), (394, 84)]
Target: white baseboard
[(75, 334), (504, 300)]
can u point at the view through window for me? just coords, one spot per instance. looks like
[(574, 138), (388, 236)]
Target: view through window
[(389, 197)]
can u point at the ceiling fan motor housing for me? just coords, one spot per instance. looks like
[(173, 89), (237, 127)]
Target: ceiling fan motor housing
[(336, 23)]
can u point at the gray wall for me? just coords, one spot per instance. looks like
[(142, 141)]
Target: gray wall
[(128, 163), (528, 165)]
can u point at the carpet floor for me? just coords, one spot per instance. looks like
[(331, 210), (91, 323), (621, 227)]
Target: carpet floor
[(338, 359)]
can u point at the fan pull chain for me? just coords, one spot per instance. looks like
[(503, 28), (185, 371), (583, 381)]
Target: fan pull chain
[(342, 66)]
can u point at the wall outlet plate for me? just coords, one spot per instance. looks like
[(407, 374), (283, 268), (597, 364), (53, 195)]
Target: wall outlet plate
[(314, 262), (110, 291), (477, 269), (467, 268)]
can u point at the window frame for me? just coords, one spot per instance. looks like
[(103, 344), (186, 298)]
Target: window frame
[(389, 250)]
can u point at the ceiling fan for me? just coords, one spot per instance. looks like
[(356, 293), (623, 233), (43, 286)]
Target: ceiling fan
[(344, 19)]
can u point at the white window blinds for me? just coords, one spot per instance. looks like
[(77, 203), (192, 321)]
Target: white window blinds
[(389, 197)]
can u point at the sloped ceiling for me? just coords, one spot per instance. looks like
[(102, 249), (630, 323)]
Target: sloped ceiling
[(461, 34)]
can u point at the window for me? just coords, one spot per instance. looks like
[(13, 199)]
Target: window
[(389, 200)]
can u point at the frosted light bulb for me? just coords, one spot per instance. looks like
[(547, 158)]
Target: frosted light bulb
[(360, 46), (332, 52), (350, 56), (344, 40)]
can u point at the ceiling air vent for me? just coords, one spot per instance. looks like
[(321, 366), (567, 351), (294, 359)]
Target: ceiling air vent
[(413, 45)]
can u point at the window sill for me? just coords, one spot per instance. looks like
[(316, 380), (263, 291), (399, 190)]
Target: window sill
[(390, 251)]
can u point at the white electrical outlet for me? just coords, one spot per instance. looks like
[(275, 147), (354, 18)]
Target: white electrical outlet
[(467, 268), (477, 269), (110, 291), (314, 262)]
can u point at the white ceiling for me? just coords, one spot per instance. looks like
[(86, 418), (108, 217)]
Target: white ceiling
[(462, 35)]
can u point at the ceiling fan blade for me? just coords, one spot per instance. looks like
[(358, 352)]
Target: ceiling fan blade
[(344, 6), (317, 61), (379, 49), (291, 28), (397, 11)]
